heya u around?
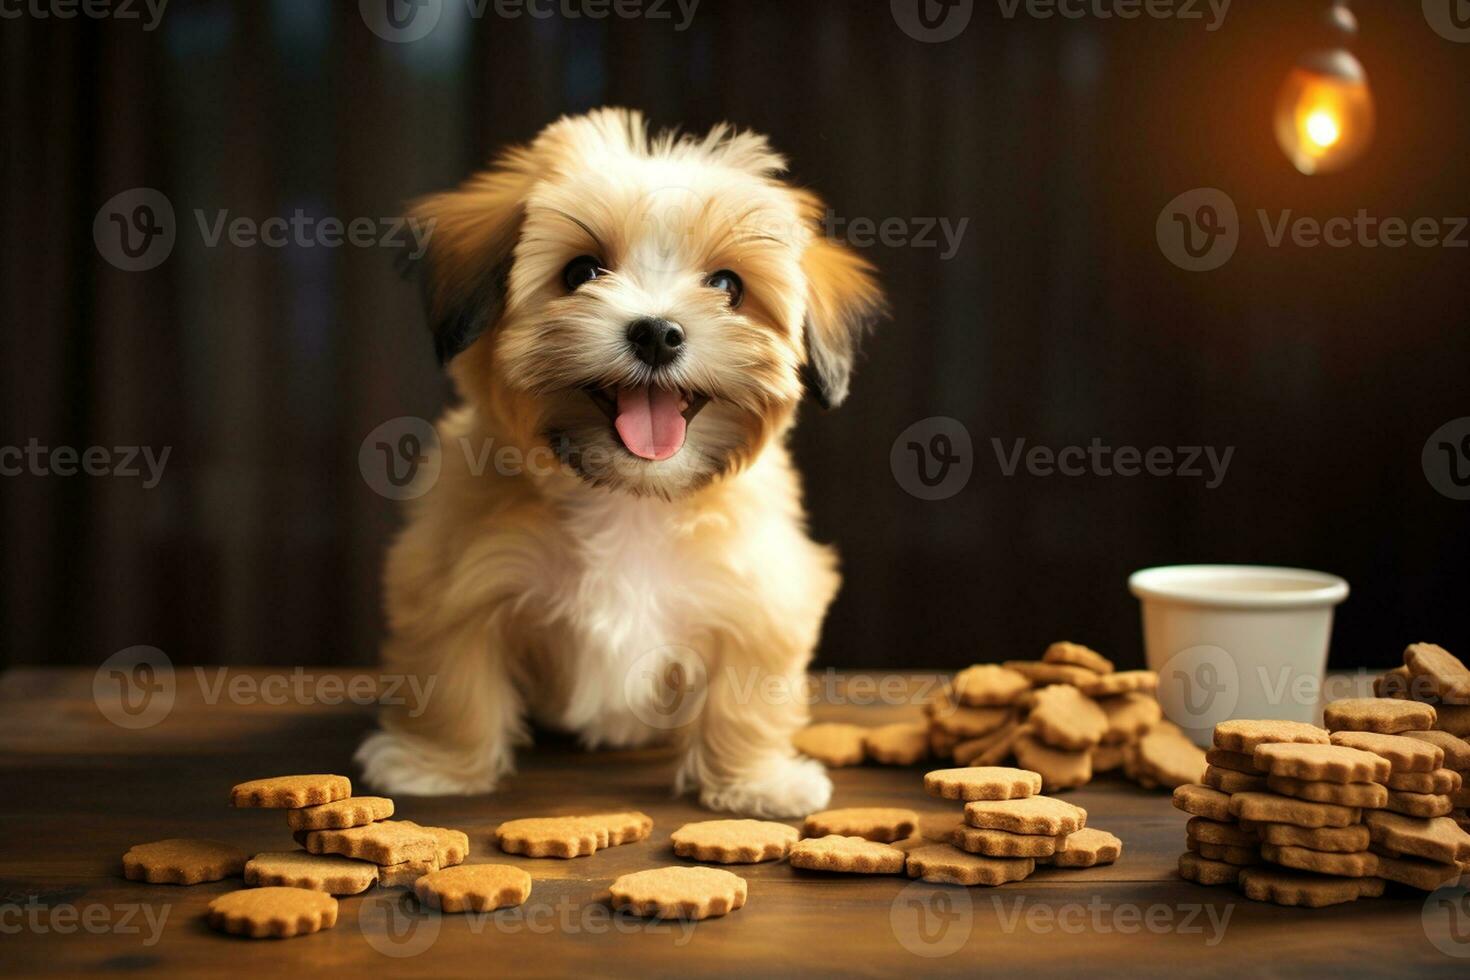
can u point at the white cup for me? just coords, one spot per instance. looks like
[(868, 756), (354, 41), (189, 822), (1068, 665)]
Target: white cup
[(1236, 641)]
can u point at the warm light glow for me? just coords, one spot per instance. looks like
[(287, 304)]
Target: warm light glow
[(1322, 129), (1324, 114)]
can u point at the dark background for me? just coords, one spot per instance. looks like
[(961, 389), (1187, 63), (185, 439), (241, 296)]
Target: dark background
[(1058, 321)]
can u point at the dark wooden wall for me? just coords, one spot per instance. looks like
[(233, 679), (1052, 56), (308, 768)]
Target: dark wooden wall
[(1058, 320)]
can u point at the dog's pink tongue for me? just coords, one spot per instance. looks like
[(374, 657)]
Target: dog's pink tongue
[(649, 421)]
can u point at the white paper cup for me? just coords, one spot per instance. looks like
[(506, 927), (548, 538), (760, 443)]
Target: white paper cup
[(1236, 641)]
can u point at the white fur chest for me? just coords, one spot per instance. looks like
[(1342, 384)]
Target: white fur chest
[(630, 592)]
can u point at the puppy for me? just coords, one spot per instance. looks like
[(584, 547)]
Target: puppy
[(631, 322)]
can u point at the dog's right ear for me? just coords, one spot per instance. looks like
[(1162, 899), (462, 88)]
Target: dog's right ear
[(471, 233)]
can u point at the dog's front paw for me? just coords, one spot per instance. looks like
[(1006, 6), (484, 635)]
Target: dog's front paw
[(405, 764), (784, 788)]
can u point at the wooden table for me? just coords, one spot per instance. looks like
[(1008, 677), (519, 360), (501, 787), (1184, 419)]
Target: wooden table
[(80, 790)]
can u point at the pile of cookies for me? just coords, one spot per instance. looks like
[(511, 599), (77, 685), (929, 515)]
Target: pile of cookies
[(1434, 676), (1006, 831), (1067, 716), (1300, 815), (348, 844)]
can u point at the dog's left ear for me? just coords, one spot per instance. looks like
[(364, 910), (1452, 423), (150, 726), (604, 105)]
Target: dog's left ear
[(472, 232), (843, 301)]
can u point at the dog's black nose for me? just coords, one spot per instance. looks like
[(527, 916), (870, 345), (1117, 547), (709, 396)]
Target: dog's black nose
[(656, 341)]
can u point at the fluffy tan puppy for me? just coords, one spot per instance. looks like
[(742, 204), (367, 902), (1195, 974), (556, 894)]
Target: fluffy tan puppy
[(631, 322)]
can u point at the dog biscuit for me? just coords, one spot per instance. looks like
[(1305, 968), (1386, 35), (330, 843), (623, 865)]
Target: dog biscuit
[(293, 792), (330, 873), (734, 841), (882, 824), (404, 874), (1393, 684), (473, 888), (182, 861), (1424, 805), (1446, 674), (1234, 761), (1322, 763), (902, 743), (354, 811), (1000, 749), (1242, 857), (833, 744), (1086, 848), (1283, 887), (1405, 754), (1367, 795), (1106, 758), (1059, 768), (975, 748), (836, 852), (1003, 843), (272, 912), (569, 837), (1437, 839), (1203, 871), (1244, 735), (989, 685), (679, 892), (1122, 682), (944, 864), (1363, 864), (982, 783), (382, 842), (1208, 831), (1456, 750), (1344, 840), (966, 723), (1170, 759), (1441, 781), (1202, 801), (1032, 815), (1078, 656), (1274, 808), (1416, 873), (1129, 716), (1063, 717), (1386, 716), (450, 846), (1230, 781), (1040, 673)]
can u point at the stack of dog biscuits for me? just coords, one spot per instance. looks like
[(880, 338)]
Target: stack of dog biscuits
[(1298, 815), (1007, 830), (1433, 676), (347, 845), (1067, 716)]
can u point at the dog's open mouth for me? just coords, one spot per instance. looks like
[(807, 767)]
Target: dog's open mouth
[(651, 421)]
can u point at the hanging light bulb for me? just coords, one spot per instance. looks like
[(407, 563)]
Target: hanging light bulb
[(1324, 114)]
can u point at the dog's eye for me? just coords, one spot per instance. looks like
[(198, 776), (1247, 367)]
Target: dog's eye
[(728, 282), (582, 269)]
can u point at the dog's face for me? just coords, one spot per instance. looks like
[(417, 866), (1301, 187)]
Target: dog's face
[(653, 312)]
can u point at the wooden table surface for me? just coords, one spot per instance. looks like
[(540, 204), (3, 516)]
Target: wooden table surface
[(80, 790)]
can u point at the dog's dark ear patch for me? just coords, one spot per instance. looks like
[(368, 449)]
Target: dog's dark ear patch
[(843, 303), (455, 326)]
